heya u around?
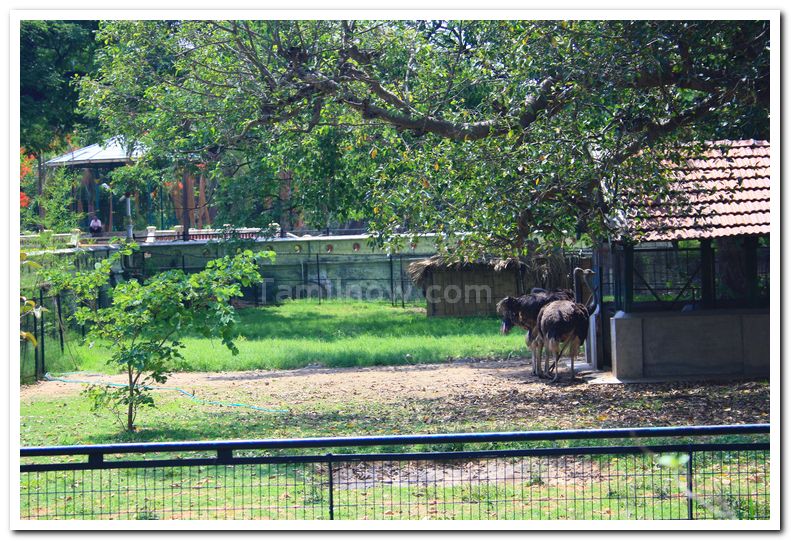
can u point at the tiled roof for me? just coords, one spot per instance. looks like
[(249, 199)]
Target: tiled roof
[(722, 192)]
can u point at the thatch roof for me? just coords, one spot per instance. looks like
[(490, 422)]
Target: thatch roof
[(419, 270), (547, 271)]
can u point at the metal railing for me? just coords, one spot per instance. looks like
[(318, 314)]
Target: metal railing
[(169, 235), (500, 478)]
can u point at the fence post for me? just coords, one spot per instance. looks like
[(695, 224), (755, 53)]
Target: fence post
[(318, 275), (401, 276), (42, 364), (332, 504), (392, 285), (628, 278), (690, 470), (60, 322), (36, 352)]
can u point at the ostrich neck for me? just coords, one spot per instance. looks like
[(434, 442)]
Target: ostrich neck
[(591, 304)]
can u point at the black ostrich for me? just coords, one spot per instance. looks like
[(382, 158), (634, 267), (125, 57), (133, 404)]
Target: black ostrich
[(565, 322), (523, 311)]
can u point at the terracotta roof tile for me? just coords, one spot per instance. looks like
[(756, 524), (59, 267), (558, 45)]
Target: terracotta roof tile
[(724, 192)]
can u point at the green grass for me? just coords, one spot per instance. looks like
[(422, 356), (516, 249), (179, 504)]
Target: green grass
[(361, 334), (604, 487), (614, 487), (332, 334)]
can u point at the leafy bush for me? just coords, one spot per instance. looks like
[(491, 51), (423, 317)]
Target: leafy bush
[(145, 321)]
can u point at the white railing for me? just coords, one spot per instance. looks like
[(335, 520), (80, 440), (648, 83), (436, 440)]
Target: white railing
[(149, 236)]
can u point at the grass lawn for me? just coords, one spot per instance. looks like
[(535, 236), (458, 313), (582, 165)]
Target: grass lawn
[(405, 400), (423, 393), (331, 334)]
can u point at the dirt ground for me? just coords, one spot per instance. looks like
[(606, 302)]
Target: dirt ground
[(489, 388)]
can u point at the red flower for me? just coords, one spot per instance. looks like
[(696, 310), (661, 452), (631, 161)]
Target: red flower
[(24, 200), (26, 162)]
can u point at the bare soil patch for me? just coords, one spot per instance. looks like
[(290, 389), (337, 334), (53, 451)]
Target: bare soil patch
[(538, 471), (487, 390)]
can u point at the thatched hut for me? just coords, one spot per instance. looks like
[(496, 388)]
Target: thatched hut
[(473, 288)]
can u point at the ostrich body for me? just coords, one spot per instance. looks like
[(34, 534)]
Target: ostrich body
[(523, 311), (565, 322)]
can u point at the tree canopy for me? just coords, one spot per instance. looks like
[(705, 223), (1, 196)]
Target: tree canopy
[(52, 55), (497, 135)]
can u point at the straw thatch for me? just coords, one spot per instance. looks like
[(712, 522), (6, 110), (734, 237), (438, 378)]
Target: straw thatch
[(498, 278), (418, 271), (540, 271)]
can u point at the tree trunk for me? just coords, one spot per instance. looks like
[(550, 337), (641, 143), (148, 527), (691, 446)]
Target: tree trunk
[(90, 187), (40, 187), (203, 210), (109, 225), (185, 211), (189, 186)]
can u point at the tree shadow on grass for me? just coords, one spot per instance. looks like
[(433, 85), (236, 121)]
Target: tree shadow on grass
[(333, 323)]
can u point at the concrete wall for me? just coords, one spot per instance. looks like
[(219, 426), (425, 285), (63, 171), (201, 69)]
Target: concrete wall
[(666, 345)]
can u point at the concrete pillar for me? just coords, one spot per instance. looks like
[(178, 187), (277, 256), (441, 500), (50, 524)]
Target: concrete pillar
[(151, 233), (627, 346), (75, 237)]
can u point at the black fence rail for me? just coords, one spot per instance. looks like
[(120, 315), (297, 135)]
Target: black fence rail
[(720, 472)]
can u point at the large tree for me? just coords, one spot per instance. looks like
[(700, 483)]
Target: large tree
[(495, 134), (52, 55)]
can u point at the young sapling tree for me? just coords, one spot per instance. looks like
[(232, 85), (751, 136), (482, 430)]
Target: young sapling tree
[(145, 321)]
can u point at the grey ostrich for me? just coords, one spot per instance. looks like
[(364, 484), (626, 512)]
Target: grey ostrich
[(523, 311), (565, 322)]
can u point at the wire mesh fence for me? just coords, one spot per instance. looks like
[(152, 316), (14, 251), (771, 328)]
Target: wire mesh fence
[(259, 480), (55, 334), (665, 276)]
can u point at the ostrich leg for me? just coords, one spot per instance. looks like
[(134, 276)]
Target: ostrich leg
[(538, 349), (557, 367), (575, 349), (546, 361), (529, 344), (573, 356), (536, 361), (553, 369)]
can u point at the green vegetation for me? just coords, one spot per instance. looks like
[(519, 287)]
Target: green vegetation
[(333, 334), (615, 487), (611, 487), (518, 133), (538, 489), (56, 201), (52, 55), (144, 322)]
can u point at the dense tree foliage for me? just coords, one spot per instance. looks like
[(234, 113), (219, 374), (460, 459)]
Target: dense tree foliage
[(496, 134), (52, 55)]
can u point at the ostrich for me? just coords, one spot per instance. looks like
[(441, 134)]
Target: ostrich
[(523, 311), (566, 322)]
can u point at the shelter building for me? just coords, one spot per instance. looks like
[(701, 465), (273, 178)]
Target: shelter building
[(685, 289)]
